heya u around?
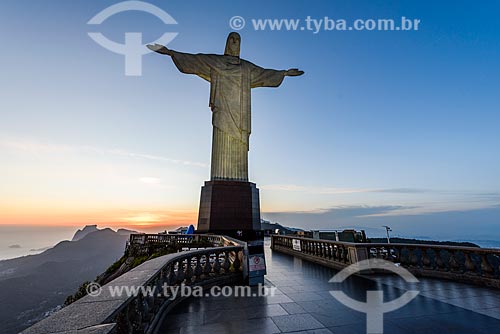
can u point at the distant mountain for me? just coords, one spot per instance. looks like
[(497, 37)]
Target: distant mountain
[(398, 240), (33, 285), (123, 231), (484, 243), (80, 234), (267, 226)]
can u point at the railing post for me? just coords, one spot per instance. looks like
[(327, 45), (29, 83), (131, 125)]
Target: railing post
[(357, 254)]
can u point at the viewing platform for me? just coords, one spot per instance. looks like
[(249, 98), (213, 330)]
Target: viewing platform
[(303, 304), (299, 273)]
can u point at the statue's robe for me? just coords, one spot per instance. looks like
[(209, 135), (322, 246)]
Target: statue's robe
[(231, 80)]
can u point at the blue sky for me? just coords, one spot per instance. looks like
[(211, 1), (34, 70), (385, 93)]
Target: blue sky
[(407, 120)]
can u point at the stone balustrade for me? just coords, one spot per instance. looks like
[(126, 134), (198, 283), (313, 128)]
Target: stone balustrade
[(464, 264), (142, 311), (141, 243)]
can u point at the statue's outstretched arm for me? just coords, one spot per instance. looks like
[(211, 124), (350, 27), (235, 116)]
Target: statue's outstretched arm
[(161, 49), (198, 64), (262, 77), (293, 72)]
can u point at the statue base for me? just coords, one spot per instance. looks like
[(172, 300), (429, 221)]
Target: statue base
[(230, 208)]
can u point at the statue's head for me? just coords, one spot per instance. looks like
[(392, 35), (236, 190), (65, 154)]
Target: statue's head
[(233, 45)]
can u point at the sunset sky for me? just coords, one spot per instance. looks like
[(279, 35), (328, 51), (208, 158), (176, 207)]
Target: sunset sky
[(403, 125)]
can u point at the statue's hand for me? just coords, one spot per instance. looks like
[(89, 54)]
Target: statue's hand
[(160, 49), (293, 72)]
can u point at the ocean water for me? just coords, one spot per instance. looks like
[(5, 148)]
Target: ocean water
[(18, 241)]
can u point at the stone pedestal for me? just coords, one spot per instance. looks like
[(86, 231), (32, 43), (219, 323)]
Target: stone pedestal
[(230, 208)]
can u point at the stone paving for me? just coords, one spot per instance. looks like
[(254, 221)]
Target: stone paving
[(303, 304)]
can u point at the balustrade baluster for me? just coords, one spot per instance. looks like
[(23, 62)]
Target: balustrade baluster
[(412, 257), (439, 261), (172, 277), (236, 262), (160, 280), (335, 253), (207, 267), (216, 266), (397, 254), (180, 272), (470, 266), (403, 256), (149, 305), (391, 254), (226, 264), (346, 255), (198, 270), (137, 314), (486, 268), (453, 262), (426, 260), (123, 324), (340, 252)]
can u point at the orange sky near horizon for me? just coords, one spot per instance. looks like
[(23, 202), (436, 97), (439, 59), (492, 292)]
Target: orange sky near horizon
[(157, 220)]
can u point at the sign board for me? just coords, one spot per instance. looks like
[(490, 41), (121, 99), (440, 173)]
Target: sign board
[(257, 262), (296, 245)]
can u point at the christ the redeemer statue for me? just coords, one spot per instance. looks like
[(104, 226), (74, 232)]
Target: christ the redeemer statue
[(231, 79)]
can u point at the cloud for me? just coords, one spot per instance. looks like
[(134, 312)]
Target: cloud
[(150, 180), (340, 191), (315, 190), (403, 191), (490, 196), (326, 218), (35, 147), (472, 224), (144, 218)]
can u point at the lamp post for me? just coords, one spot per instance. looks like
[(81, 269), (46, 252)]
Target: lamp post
[(387, 230)]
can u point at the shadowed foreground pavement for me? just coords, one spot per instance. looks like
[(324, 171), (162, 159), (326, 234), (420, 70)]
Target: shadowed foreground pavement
[(303, 304)]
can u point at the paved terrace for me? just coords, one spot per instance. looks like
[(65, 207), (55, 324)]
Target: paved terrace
[(303, 304)]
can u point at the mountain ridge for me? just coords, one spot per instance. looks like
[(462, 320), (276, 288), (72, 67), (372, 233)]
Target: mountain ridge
[(33, 285)]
